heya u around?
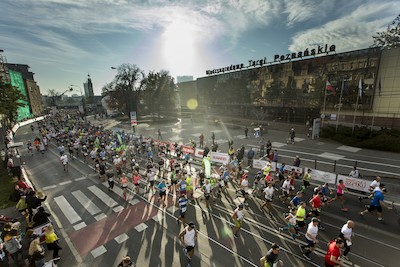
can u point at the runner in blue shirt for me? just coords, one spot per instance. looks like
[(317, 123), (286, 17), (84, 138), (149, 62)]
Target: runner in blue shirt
[(162, 190), (377, 202), (183, 202)]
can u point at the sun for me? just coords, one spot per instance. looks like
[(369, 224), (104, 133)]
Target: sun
[(179, 44)]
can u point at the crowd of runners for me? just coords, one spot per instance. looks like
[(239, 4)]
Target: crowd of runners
[(164, 170)]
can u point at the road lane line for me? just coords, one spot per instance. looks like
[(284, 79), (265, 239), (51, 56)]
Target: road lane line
[(48, 187), (86, 202), (98, 251), (67, 209), (64, 183)]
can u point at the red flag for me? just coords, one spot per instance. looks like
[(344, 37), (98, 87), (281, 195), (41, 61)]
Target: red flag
[(330, 88)]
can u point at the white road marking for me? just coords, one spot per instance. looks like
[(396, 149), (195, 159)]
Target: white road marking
[(80, 178), (49, 187), (106, 199), (121, 238), (349, 148), (99, 217), (141, 227), (64, 183), (331, 156), (98, 251), (277, 144), (79, 226), (86, 202), (67, 209), (118, 208), (134, 201), (298, 139)]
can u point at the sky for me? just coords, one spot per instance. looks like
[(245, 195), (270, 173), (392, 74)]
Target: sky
[(65, 40)]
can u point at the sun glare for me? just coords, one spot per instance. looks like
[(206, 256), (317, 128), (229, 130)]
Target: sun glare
[(179, 43)]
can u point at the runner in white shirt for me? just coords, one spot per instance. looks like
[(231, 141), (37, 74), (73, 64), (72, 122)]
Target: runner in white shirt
[(269, 194), (237, 216), (311, 238), (64, 161), (188, 239), (346, 233), (245, 189), (285, 190), (373, 187)]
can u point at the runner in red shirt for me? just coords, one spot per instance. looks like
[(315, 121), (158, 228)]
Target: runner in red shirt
[(316, 203), (333, 254)]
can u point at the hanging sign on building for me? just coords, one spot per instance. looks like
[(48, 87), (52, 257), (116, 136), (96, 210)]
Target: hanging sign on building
[(325, 49)]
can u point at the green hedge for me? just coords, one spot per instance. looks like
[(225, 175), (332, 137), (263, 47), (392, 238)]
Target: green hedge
[(385, 139)]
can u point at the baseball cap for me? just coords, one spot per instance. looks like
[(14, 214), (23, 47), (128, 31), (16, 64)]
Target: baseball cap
[(315, 219)]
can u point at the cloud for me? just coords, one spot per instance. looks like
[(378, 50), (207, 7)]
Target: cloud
[(353, 30), (303, 10)]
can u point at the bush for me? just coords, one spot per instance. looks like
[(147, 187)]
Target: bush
[(385, 139)]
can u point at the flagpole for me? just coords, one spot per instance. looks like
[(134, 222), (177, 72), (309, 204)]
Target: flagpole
[(355, 110), (323, 119), (340, 105)]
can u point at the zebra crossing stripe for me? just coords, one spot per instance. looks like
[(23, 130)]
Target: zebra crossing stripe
[(67, 209), (86, 202), (98, 251), (121, 238), (79, 226), (141, 227), (106, 199)]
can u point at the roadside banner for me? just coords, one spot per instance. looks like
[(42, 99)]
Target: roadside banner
[(220, 157), (288, 168), (259, 164), (321, 176), (199, 152), (187, 149), (355, 183)]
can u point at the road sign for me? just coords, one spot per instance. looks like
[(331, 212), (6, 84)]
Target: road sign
[(133, 118)]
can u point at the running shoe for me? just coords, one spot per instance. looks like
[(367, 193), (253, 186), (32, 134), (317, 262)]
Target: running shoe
[(280, 229)]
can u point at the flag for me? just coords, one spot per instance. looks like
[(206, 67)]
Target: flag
[(360, 88), (330, 88), (379, 87)]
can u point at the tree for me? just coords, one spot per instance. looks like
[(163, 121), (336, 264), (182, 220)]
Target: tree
[(10, 101), (125, 90), (160, 92), (390, 38)]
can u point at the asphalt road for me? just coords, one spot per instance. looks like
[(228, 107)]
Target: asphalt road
[(99, 229)]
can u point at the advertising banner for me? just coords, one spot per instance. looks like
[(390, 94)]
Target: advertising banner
[(199, 152), (355, 183), (260, 164), (289, 168), (187, 150), (220, 157), (321, 176)]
